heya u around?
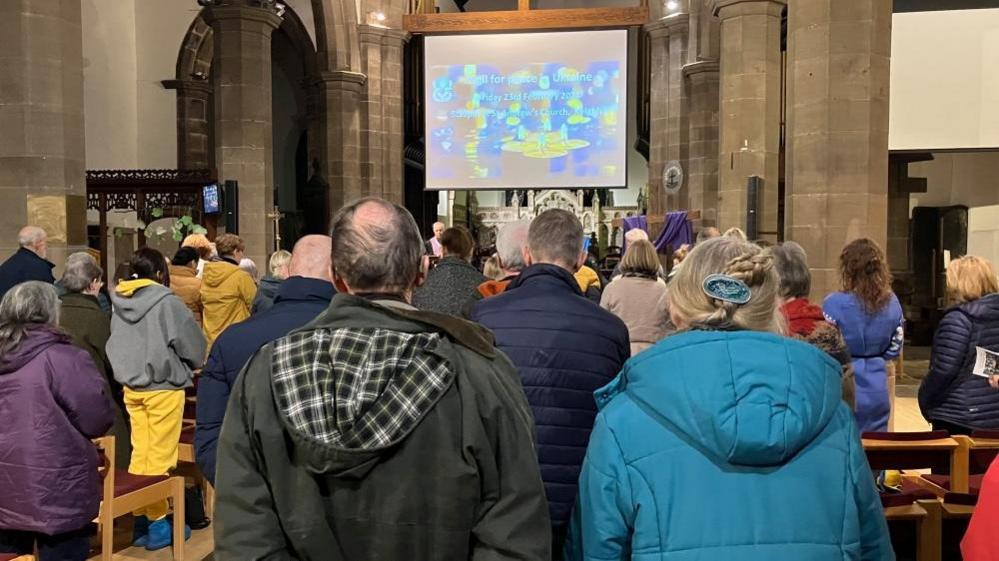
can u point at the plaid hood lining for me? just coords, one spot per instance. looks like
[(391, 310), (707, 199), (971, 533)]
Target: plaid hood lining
[(358, 388)]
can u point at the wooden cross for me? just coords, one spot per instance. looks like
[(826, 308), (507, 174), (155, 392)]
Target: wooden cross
[(658, 220)]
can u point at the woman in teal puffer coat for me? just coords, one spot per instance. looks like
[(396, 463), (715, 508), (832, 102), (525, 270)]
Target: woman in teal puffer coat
[(727, 441)]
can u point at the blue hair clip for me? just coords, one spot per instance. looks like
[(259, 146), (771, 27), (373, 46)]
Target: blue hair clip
[(727, 289)]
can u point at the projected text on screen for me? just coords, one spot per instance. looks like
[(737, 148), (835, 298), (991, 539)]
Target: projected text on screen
[(526, 110)]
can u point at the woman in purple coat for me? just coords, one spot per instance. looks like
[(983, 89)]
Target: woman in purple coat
[(52, 402), (870, 318)]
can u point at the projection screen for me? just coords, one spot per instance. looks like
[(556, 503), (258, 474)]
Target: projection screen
[(527, 110)]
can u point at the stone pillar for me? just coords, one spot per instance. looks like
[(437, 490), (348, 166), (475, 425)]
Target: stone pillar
[(702, 174), (838, 71), (194, 122), (668, 120), (42, 159), (241, 79), (381, 111), (750, 92), (342, 90)]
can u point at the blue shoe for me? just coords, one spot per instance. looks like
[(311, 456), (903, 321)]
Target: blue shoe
[(140, 531), (161, 534)]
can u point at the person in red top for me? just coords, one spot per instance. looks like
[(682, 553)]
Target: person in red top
[(805, 321), (980, 543)]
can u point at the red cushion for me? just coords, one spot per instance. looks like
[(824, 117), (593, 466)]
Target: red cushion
[(910, 493), (906, 436), (974, 482), (187, 436), (9, 556), (961, 499), (125, 482)]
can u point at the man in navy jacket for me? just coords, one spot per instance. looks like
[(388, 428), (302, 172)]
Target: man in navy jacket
[(305, 294), (564, 346), (28, 262)]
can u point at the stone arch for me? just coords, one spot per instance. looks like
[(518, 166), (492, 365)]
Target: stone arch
[(195, 99), (336, 35)]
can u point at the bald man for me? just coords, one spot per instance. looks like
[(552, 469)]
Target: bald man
[(379, 431), (302, 296), (434, 246), (29, 262)]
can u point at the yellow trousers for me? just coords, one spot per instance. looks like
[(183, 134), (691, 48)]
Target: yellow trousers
[(156, 422)]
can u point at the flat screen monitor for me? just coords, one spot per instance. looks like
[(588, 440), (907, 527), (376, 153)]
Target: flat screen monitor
[(210, 199), (527, 110)]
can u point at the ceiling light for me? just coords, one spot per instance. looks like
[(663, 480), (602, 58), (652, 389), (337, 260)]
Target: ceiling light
[(672, 5)]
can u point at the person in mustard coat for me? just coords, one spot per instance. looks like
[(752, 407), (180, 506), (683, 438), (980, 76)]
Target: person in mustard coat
[(227, 292), (184, 281)]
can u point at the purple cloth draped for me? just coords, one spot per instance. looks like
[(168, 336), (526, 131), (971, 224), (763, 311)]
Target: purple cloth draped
[(676, 231), (630, 223)]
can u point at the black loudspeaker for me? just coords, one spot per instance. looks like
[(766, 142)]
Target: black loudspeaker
[(230, 206), (754, 187)]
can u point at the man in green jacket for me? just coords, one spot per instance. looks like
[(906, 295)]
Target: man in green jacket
[(378, 431)]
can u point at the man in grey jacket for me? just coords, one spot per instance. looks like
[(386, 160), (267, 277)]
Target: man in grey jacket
[(379, 431)]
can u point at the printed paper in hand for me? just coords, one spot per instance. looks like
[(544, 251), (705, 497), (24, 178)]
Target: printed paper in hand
[(986, 363)]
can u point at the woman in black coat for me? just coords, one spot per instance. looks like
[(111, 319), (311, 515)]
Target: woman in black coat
[(951, 396)]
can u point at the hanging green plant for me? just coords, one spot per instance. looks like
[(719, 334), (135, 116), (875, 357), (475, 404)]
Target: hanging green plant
[(179, 229)]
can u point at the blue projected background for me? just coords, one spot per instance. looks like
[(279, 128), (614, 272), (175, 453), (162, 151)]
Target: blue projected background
[(526, 110)]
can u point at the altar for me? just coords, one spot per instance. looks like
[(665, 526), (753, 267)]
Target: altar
[(596, 219)]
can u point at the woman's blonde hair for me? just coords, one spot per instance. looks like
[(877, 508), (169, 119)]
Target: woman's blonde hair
[(970, 278), (737, 259), (279, 260), (641, 259), (492, 269)]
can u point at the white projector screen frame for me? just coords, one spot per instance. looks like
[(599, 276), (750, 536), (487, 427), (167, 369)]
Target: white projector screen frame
[(586, 143), (944, 80)]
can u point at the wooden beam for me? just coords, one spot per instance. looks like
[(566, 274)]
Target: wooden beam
[(523, 5), (658, 220), (526, 20)]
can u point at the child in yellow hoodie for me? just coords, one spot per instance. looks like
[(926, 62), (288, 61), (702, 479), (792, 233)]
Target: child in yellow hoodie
[(154, 347)]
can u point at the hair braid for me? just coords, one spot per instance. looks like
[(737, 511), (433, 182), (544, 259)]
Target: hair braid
[(751, 269)]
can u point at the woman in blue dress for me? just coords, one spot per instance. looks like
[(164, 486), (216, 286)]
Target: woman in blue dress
[(870, 318)]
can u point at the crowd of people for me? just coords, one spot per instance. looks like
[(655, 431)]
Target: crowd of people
[(377, 396)]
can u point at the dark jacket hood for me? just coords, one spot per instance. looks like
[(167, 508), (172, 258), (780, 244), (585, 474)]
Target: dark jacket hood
[(985, 309), (545, 272), (80, 301), (35, 342), (356, 381), (747, 398), (133, 308), (301, 288), (32, 256)]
